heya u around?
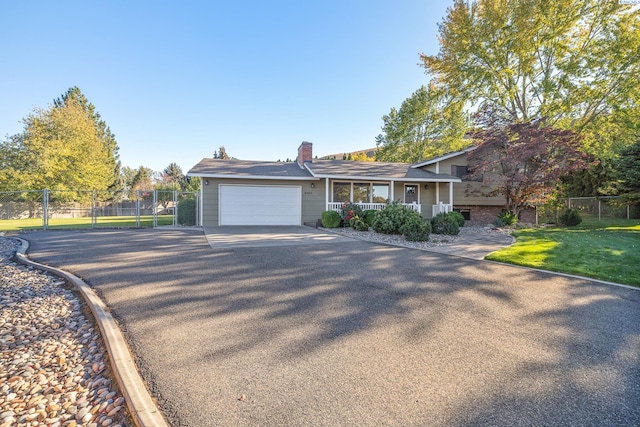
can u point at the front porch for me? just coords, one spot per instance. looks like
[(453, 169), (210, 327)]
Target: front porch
[(375, 195), (337, 206), (435, 209)]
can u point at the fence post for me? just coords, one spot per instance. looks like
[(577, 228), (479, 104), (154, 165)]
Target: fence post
[(155, 208), (138, 208), (599, 210), (175, 208), (45, 208), (94, 210), (198, 215)]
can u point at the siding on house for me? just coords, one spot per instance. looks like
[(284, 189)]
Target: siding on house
[(465, 192), (312, 198)]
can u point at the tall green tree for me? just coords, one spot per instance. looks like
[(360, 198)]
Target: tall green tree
[(425, 126), (574, 62), (59, 149), (103, 132)]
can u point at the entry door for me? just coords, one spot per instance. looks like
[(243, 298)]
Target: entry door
[(411, 194)]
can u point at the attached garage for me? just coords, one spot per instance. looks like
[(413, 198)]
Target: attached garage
[(260, 204)]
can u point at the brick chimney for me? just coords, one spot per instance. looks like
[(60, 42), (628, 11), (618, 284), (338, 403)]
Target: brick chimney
[(305, 153)]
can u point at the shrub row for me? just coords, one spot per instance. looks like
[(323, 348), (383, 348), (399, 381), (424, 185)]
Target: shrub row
[(398, 219), (394, 219)]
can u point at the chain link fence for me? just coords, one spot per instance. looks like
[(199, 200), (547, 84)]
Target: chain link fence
[(52, 209), (606, 208)]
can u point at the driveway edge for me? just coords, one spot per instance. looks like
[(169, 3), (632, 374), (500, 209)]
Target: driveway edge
[(141, 406)]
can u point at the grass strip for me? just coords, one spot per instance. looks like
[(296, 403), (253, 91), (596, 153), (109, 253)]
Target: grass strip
[(82, 223), (605, 251)]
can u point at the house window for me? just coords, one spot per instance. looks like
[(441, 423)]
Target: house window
[(342, 192), (361, 192), (380, 193), (411, 194), (459, 171)]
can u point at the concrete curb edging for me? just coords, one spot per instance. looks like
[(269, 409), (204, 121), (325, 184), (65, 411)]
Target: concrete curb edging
[(143, 409)]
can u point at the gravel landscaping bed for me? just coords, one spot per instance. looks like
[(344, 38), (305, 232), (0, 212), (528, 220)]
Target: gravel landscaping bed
[(53, 365), (435, 240)]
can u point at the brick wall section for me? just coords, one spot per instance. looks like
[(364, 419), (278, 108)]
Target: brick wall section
[(305, 153), (482, 215)]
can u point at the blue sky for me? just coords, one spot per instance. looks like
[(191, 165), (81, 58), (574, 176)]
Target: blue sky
[(176, 80)]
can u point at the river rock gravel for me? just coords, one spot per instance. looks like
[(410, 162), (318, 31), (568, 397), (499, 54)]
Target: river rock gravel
[(435, 240), (54, 369)]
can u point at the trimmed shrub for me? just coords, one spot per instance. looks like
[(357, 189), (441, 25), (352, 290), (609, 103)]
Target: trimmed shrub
[(506, 218), (458, 217), (570, 217), (415, 229), (389, 220), (187, 212), (444, 224), (368, 216), (330, 219), (358, 224)]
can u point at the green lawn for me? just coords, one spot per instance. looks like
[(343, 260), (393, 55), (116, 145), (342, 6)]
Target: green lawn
[(607, 251), (71, 223)]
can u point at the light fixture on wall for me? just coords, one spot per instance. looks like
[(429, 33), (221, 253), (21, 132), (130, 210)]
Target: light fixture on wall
[(426, 186), (313, 185), (206, 182)]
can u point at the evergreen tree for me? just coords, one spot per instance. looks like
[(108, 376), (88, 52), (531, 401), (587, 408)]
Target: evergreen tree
[(222, 153), (172, 174), (627, 173)]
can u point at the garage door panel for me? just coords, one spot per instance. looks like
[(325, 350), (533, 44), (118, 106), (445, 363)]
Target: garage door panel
[(260, 205)]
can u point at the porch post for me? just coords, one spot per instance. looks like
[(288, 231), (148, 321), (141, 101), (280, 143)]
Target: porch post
[(326, 193), (437, 193), (391, 193), (451, 194)]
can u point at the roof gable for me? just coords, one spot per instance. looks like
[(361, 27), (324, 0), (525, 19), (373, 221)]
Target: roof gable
[(443, 157)]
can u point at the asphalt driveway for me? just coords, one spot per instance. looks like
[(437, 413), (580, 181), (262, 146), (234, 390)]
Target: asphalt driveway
[(348, 332)]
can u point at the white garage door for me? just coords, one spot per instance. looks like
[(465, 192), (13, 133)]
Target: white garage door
[(260, 205)]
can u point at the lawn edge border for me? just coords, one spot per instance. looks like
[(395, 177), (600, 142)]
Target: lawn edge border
[(141, 405), (572, 276)]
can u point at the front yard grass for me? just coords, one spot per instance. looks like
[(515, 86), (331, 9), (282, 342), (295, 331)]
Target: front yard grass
[(84, 222), (605, 251)]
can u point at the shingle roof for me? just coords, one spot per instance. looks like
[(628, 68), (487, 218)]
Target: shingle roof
[(336, 169), (373, 170), (216, 168)]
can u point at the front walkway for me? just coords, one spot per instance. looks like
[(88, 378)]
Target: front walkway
[(474, 242), (256, 236)]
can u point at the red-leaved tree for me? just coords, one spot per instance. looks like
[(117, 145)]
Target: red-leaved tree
[(522, 161)]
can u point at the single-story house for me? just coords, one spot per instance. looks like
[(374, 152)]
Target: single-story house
[(239, 192)]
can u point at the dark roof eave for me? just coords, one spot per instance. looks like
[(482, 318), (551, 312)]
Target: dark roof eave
[(388, 178), (240, 176)]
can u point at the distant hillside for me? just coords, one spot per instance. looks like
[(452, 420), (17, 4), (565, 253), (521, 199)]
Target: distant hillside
[(369, 152)]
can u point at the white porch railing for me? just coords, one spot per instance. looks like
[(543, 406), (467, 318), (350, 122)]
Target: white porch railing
[(441, 208), (337, 206)]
